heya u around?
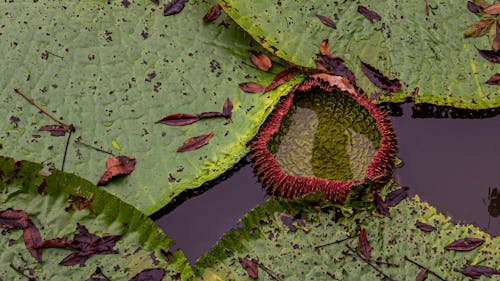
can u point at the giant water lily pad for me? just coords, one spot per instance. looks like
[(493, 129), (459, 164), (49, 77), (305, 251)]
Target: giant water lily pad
[(114, 68), (57, 205), (292, 240), (424, 50)]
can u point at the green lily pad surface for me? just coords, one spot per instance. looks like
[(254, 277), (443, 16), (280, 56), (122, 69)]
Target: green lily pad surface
[(113, 70), (291, 240), (424, 50), (47, 200)]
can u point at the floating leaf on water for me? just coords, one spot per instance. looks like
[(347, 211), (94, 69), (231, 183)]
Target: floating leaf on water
[(364, 245), (379, 79), (251, 267), (153, 274), (465, 244), (492, 9), (261, 61), (425, 227), (179, 119), (174, 7), (55, 130), (213, 13), (252, 87), (476, 271), (195, 142), (336, 66), (32, 240), (324, 47), (422, 275), (115, 166), (479, 28), (326, 21), (494, 80), (372, 16), (394, 197), (473, 8)]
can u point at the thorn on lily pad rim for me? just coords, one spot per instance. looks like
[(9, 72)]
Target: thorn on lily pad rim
[(279, 183)]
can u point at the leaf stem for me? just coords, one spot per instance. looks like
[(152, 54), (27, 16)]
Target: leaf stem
[(370, 264), (423, 267), (21, 272), (267, 270), (334, 242), (66, 150), (78, 141)]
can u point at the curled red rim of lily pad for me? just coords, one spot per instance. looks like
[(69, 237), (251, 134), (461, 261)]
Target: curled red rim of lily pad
[(378, 172)]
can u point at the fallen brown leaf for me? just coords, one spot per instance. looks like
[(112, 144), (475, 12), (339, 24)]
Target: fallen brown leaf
[(195, 142), (324, 47), (251, 267), (465, 244), (115, 166), (213, 13), (261, 61), (364, 245)]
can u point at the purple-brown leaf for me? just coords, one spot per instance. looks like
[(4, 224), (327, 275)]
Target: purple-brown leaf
[(55, 130), (382, 206), (326, 21), (227, 109), (251, 267), (116, 166), (492, 56), (281, 78), (14, 219), (32, 241), (204, 115), (153, 274), (372, 16), (195, 142), (364, 245), (174, 7), (179, 119), (422, 275), (379, 79), (494, 80), (473, 8), (336, 66), (394, 197), (213, 13), (476, 271), (252, 87), (465, 244), (261, 61), (425, 227)]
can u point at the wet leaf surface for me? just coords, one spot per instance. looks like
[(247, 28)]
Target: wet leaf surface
[(179, 119), (261, 61), (336, 66), (116, 166), (494, 80), (372, 16), (364, 245), (324, 47), (195, 142), (476, 271), (465, 244), (492, 9), (174, 7), (55, 130), (252, 87), (425, 227), (154, 274), (492, 56), (213, 13), (379, 79), (250, 267), (422, 275), (326, 21), (394, 197), (479, 28), (33, 239)]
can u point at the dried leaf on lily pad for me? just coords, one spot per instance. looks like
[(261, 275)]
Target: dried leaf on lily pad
[(379, 79), (227, 109), (326, 21), (425, 227), (495, 44), (179, 119), (422, 275), (476, 271), (213, 13), (252, 87), (32, 240), (479, 28), (492, 9), (382, 206), (364, 245), (324, 47), (281, 78), (492, 56), (116, 166), (473, 8), (372, 16), (55, 130), (465, 244), (261, 61), (195, 142), (336, 66), (174, 7), (14, 219), (153, 274), (251, 267), (494, 80), (394, 197)]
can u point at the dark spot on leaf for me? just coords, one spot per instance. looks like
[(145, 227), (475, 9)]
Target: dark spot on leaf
[(372, 16), (326, 21)]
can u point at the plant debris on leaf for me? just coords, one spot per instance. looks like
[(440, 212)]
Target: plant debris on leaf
[(394, 197), (261, 61), (174, 7), (153, 274), (425, 227), (326, 21), (336, 66), (116, 166), (465, 244), (379, 79), (422, 275), (32, 240), (364, 245), (179, 119), (473, 8), (382, 206), (492, 9), (492, 56), (280, 79), (494, 80), (227, 109), (195, 142), (372, 16), (55, 130), (324, 47), (213, 13), (252, 87), (251, 267), (479, 28), (495, 44), (476, 271), (80, 201), (14, 219)]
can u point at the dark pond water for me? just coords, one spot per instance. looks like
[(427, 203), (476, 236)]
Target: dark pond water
[(451, 162)]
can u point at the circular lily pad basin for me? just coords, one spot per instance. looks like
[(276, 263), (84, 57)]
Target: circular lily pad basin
[(323, 138)]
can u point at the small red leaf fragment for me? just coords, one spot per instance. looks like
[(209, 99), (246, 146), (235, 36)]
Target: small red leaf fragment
[(195, 142), (372, 16), (422, 275), (179, 119), (32, 241), (479, 28), (394, 197), (476, 271), (174, 7), (382, 206), (251, 267), (55, 130), (324, 47), (494, 80), (326, 21), (252, 87), (495, 44), (81, 202), (14, 219), (281, 78), (492, 9), (115, 166), (465, 244), (213, 13), (153, 274), (261, 61), (379, 79), (425, 227), (58, 243), (492, 56), (227, 109), (364, 245)]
